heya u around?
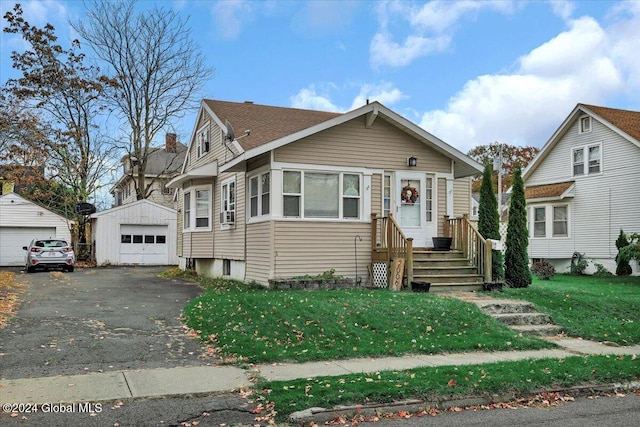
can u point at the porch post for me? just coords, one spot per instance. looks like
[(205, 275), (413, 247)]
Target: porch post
[(488, 274), (446, 227), (374, 231), (409, 261), (390, 241), (464, 240)]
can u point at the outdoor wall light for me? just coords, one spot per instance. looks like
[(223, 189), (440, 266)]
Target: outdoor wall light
[(412, 162)]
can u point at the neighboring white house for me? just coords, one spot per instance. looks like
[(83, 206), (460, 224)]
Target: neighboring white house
[(163, 163), (584, 187), (21, 221), (138, 233)]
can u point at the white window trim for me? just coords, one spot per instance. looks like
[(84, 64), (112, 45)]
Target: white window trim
[(585, 162), (258, 173), (362, 199), (192, 207), (226, 182), (580, 128), (548, 218), (203, 135)]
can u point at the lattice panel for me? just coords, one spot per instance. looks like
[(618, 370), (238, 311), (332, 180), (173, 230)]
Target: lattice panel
[(380, 275)]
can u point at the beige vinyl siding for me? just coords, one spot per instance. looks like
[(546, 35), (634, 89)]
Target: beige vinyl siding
[(351, 144), (258, 162), (229, 243), (201, 244), (461, 197), (180, 221), (376, 194), (186, 245), (306, 247), (259, 251), (442, 204)]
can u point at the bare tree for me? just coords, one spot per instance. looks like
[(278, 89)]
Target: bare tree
[(64, 100), (158, 66)]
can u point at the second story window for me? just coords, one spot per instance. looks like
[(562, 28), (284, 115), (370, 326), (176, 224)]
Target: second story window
[(587, 160), (578, 161), (228, 203), (203, 143)]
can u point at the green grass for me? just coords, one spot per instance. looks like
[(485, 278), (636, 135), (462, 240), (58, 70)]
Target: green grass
[(257, 325), (597, 308), (519, 377)]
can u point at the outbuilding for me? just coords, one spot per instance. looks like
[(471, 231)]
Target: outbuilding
[(138, 233), (21, 221)]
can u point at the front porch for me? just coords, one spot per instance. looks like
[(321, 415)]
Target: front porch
[(465, 267)]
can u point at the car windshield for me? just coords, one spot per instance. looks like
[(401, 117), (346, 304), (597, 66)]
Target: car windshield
[(51, 244)]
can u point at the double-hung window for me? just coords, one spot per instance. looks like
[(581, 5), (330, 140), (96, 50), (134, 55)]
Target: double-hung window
[(539, 222), (196, 209), (560, 221), (322, 195), (587, 160), (259, 194), (228, 203), (186, 222), (203, 143)]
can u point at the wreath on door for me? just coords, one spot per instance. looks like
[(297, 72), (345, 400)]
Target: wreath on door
[(409, 194)]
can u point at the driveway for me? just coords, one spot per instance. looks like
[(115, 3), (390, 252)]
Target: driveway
[(95, 320)]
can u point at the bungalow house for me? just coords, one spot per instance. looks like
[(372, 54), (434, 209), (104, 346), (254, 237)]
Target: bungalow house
[(269, 192), (582, 188)]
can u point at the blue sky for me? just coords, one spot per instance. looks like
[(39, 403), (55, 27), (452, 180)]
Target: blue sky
[(470, 72)]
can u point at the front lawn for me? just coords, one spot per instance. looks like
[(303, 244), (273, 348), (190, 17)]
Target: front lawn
[(521, 378), (258, 325), (597, 308)]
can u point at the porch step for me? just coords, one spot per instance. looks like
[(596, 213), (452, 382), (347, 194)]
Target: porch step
[(522, 318), (454, 287), (547, 330), (506, 306), (447, 278), (445, 270)]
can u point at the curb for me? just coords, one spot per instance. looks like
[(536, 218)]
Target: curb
[(323, 415)]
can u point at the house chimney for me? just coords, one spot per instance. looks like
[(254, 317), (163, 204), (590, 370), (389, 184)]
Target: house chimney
[(170, 143)]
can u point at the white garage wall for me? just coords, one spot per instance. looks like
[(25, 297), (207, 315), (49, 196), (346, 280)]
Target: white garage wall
[(106, 228), (17, 217)]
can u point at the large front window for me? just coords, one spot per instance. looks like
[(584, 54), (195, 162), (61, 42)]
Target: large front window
[(322, 195), (560, 221), (550, 221)]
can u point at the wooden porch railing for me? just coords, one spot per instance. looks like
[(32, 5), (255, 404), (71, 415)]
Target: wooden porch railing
[(467, 239), (388, 243)]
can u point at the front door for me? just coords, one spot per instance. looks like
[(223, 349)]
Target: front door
[(415, 206)]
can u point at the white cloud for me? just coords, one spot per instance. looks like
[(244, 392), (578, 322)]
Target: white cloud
[(308, 98), (586, 63), (230, 16), (563, 8), (430, 28), (314, 98)]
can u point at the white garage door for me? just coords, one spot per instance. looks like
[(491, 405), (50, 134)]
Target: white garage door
[(12, 239), (144, 244)]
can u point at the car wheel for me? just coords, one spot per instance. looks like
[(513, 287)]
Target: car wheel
[(70, 269)]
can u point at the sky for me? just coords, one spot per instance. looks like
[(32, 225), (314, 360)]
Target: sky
[(469, 72)]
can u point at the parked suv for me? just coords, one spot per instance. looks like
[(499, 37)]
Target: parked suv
[(50, 253)]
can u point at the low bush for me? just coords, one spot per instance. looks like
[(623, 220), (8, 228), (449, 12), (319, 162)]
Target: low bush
[(543, 270)]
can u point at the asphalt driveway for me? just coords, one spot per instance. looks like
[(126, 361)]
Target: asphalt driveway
[(100, 319)]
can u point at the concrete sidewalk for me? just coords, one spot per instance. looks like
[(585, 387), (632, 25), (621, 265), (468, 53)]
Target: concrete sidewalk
[(200, 380)]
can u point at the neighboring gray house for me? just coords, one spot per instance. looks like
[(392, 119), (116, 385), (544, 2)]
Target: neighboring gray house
[(163, 163), (583, 188)]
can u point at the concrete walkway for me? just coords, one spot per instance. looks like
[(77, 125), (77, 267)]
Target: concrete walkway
[(200, 380)]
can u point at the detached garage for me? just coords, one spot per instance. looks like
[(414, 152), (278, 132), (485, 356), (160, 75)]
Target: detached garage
[(21, 221), (139, 233)]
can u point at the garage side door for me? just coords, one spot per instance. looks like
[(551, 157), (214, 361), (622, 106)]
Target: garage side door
[(144, 244), (12, 239)]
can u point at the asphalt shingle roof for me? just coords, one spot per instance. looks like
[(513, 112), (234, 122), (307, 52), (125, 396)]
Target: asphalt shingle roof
[(625, 120), (267, 123), (547, 190)]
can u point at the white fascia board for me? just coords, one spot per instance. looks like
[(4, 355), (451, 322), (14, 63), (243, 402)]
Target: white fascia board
[(192, 138), (368, 108), (131, 205), (612, 127), (205, 171)]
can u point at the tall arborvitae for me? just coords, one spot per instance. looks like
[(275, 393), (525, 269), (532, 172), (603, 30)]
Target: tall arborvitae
[(516, 262), (489, 221)]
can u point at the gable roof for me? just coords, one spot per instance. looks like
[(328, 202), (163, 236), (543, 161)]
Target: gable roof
[(558, 190), (274, 127), (626, 123), (162, 162), (132, 205), (266, 123)]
